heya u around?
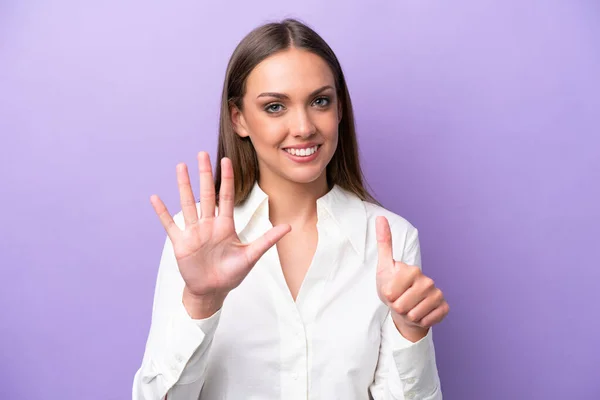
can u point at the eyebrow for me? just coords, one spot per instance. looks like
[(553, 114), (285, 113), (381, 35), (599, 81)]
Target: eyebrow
[(285, 96)]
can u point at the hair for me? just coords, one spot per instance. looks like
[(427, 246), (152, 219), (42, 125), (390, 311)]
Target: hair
[(344, 167)]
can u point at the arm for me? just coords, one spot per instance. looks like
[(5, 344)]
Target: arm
[(203, 255), (176, 353), (406, 370)]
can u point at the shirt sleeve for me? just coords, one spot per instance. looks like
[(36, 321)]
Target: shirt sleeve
[(176, 353), (406, 370)]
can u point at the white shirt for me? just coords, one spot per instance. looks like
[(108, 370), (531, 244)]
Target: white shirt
[(336, 341)]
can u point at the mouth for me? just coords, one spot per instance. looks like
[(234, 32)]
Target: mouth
[(302, 152)]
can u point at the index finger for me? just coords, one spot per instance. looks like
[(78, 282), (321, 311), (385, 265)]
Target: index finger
[(186, 196), (384, 243)]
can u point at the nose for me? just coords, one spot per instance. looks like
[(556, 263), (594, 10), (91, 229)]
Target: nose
[(301, 125)]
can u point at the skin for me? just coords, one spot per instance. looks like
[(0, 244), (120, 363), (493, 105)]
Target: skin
[(290, 100)]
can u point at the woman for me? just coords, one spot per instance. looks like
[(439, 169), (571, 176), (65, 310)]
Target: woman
[(293, 288)]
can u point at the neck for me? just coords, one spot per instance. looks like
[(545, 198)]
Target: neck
[(293, 203)]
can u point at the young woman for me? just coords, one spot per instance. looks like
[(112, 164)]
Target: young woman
[(293, 288)]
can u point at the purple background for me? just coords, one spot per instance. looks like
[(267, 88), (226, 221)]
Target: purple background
[(478, 122)]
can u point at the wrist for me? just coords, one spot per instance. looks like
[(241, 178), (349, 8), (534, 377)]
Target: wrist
[(202, 306), (411, 332)]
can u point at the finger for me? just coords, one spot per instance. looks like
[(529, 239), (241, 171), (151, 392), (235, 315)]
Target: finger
[(207, 186), (226, 191), (256, 249), (436, 316), (408, 300), (424, 307), (384, 244), (186, 195), (400, 280), (164, 216)]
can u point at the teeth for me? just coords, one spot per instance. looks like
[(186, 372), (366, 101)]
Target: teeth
[(302, 152)]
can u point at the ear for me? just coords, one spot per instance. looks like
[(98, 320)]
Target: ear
[(238, 121)]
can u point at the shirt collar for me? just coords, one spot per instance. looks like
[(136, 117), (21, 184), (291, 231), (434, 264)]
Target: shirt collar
[(345, 208)]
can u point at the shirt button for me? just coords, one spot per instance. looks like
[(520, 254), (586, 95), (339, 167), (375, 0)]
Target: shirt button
[(410, 395), (294, 376), (410, 381), (179, 358)]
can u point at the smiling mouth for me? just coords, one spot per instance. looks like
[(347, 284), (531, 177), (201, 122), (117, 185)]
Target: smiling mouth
[(305, 152)]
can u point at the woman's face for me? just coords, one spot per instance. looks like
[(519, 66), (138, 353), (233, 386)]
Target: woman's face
[(291, 114)]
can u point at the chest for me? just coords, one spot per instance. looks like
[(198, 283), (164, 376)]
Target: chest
[(332, 329), (296, 252), (333, 297)]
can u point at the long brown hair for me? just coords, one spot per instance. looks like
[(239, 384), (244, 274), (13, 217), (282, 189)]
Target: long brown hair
[(343, 169)]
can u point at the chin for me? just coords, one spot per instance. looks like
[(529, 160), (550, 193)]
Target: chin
[(304, 177)]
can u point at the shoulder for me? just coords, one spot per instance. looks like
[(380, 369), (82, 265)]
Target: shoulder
[(405, 236), (398, 223), (360, 216)]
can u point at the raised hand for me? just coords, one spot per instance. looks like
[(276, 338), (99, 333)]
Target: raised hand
[(414, 300), (211, 258)]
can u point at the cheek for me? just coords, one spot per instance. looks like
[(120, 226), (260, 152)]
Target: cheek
[(266, 131), (328, 124)]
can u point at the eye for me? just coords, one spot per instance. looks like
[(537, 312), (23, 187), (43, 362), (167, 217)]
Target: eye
[(274, 108), (321, 102)]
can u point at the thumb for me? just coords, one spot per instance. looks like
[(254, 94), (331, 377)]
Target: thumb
[(385, 261), (256, 249)]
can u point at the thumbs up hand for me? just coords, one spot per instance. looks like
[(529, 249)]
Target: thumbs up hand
[(415, 302)]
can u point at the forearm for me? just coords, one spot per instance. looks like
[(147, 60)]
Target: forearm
[(406, 369), (176, 357)]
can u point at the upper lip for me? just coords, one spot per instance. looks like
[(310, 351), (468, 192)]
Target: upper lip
[(302, 146)]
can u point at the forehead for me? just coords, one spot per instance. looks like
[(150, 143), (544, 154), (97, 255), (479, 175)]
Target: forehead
[(290, 71)]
